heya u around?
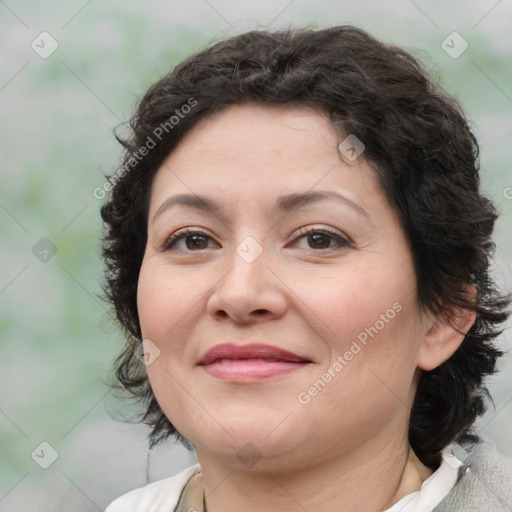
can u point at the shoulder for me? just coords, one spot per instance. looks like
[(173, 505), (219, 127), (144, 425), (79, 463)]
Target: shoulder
[(155, 496), (486, 482)]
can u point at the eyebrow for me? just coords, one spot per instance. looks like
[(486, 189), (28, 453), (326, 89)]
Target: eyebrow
[(285, 203)]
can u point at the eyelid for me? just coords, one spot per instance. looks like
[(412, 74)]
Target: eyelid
[(334, 233)]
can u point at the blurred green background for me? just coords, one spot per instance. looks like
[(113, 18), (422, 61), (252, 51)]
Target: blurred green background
[(58, 112)]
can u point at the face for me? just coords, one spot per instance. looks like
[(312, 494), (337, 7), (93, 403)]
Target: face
[(292, 247)]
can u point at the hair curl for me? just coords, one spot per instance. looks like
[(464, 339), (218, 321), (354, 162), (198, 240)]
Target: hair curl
[(426, 160)]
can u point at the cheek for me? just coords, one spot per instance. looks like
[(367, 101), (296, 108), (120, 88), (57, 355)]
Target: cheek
[(152, 300), (369, 318), (164, 300), (164, 314), (373, 325), (350, 300)]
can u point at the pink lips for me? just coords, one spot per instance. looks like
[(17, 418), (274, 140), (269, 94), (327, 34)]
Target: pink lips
[(249, 362)]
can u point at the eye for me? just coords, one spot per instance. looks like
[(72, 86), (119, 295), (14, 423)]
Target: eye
[(316, 238), (322, 238), (194, 240)]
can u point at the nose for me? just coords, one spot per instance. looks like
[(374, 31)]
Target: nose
[(250, 291)]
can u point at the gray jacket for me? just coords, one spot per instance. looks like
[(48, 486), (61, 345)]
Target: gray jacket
[(486, 481)]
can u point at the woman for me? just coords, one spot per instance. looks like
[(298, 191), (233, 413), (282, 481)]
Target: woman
[(298, 251)]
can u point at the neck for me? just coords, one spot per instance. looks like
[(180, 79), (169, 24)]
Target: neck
[(376, 477)]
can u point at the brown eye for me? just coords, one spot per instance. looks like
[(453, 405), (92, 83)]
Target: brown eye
[(321, 239), (194, 240)]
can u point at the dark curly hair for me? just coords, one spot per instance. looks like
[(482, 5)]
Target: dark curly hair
[(426, 158)]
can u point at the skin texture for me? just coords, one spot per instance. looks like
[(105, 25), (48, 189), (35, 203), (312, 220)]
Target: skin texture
[(312, 296)]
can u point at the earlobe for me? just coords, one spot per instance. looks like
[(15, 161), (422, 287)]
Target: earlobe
[(444, 334)]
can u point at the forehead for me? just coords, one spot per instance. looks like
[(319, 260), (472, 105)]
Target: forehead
[(251, 144), (270, 129)]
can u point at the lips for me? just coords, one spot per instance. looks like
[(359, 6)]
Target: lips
[(228, 352), (250, 363)]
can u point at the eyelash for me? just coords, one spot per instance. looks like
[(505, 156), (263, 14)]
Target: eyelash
[(341, 241)]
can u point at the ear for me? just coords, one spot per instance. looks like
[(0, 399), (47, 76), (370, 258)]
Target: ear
[(444, 334)]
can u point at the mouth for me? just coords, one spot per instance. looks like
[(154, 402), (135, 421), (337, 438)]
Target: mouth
[(245, 363)]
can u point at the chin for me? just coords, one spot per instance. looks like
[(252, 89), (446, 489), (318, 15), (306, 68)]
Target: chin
[(250, 439)]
